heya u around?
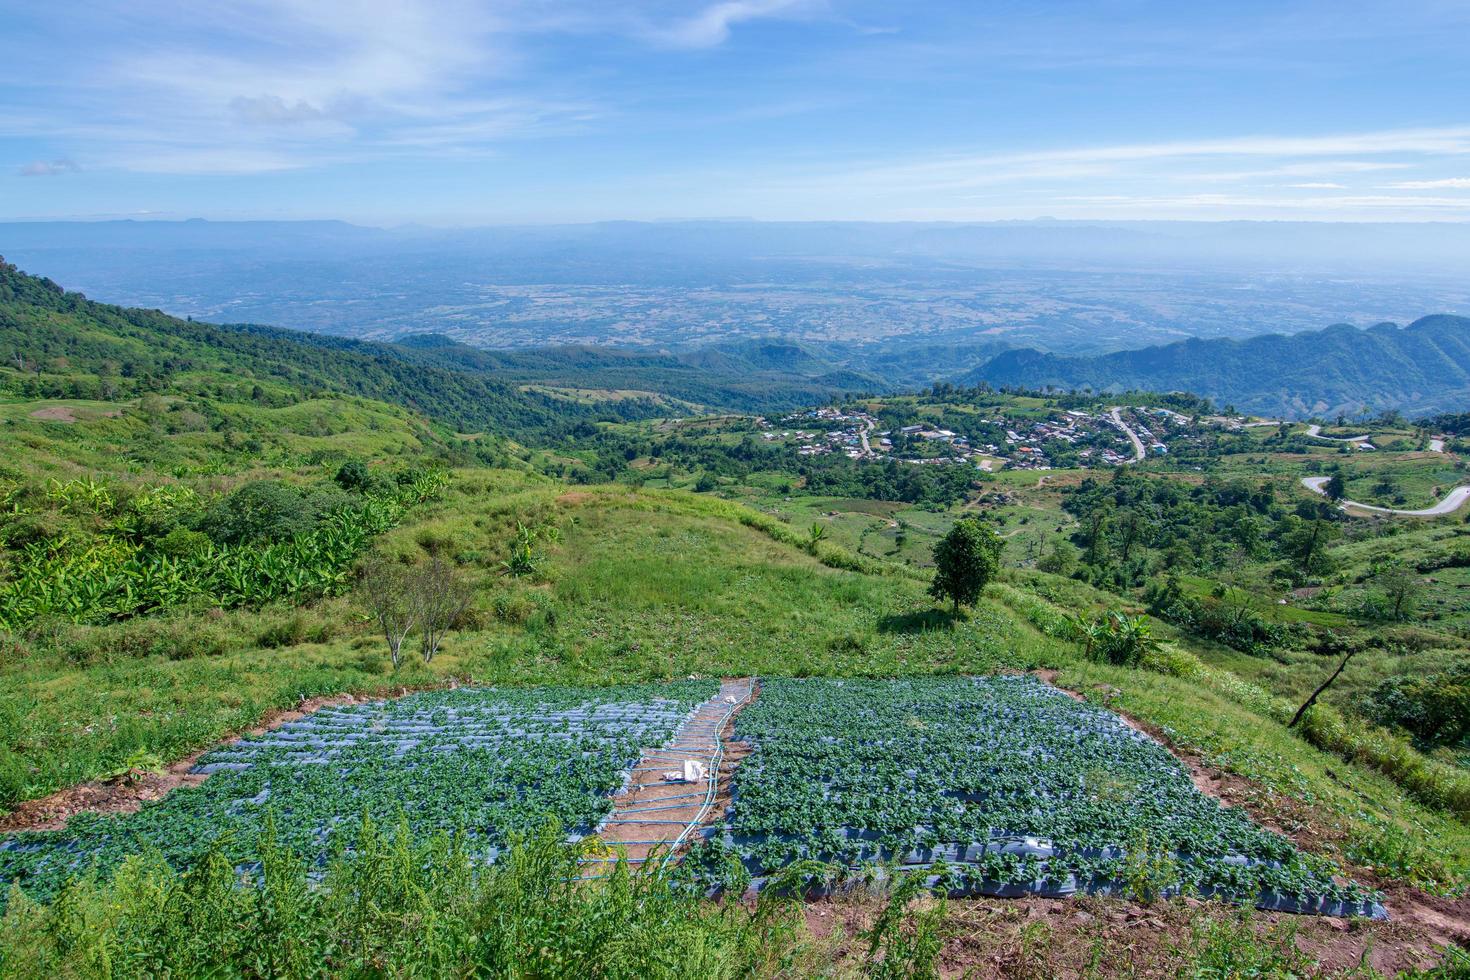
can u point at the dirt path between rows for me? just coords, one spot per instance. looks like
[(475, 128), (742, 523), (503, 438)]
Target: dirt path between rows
[(1418, 921), (651, 814)]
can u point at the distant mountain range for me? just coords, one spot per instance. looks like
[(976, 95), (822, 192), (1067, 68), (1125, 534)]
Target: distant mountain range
[(1418, 369)]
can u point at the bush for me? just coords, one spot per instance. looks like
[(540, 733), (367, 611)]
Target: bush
[(181, 542), (354, 476), (1433, 708), (263, 511)]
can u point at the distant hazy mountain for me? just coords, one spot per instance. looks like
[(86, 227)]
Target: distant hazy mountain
[(1421, 368), (851, 292)]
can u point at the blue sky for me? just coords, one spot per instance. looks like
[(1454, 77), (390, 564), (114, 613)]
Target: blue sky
[(460, 112)]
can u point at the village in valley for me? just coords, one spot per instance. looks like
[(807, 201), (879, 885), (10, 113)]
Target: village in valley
[(1070, 438)]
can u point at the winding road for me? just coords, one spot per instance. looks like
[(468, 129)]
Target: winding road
[(1452, 501), (1315, 431), (1138, 453)]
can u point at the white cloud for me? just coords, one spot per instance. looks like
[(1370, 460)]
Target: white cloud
[(711, 26), (1448, 183), (47, 168), (269, 110), (1319, 185)]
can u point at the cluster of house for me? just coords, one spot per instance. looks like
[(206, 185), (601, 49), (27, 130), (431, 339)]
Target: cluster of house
[(856, 435)]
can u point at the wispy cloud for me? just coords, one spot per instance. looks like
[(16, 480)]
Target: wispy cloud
[(257, 86), (47, 168), (1088, 180), (712, 25), (1448, 183)]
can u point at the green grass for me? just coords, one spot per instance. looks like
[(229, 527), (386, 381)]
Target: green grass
[(641, 586)]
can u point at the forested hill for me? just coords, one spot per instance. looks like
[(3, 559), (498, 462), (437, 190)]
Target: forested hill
[(1418, 369), (759, 376), (57, 344)]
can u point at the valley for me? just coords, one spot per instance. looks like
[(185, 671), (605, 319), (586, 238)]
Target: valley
[(332, 578)]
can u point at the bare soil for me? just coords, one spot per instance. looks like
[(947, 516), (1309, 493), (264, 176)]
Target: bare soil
[(54, 413), (685, 801), (1044, 938)]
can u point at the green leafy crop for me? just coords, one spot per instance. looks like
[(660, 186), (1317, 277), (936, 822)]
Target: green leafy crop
[(490, 763), (999, 785)]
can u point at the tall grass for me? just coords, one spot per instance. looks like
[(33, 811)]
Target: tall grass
[(396, 906)]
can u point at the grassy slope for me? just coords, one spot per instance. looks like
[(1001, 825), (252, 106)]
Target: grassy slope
[(641, 585)]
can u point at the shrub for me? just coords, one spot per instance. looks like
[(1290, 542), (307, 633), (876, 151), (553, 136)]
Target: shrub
[(393, 905), (181, 542), (261, 511), (1433, 708), (353, 475)]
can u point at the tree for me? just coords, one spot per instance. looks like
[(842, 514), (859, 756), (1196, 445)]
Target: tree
[(387, 591), (1398, 587), (965, 560), (1305, 541), (438, 598), (1060, 559), (1335, 488)]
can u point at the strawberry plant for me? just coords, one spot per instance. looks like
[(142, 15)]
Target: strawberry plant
[(491, 763), (998, 785)]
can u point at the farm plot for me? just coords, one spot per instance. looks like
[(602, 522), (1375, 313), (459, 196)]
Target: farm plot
[(1000, 786), (488, 762)]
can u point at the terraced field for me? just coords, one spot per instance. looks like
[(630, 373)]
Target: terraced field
[(999, 786), (489, 762)]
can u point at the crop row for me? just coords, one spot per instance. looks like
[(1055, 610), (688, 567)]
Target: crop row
[(489, 762), (999, 785)]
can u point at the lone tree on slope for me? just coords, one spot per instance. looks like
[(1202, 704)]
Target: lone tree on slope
[(965, 560)]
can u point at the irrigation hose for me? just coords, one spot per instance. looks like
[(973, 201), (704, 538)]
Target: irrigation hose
[(714, 777)]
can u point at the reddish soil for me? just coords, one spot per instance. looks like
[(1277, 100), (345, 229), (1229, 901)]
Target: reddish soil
[(54, 413), (649, 789), (1039, 937)]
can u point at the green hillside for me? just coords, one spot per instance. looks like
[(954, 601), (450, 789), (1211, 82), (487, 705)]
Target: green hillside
[(749, 376), (62, 345), (207, 526)]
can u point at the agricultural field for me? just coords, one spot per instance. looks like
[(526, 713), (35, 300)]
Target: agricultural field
[(1001, 786), (489, 763)]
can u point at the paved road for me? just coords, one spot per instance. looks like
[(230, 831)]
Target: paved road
[(867, 449), (1452, 501), (1138, 453), (1315, 431), (1436, 445)]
